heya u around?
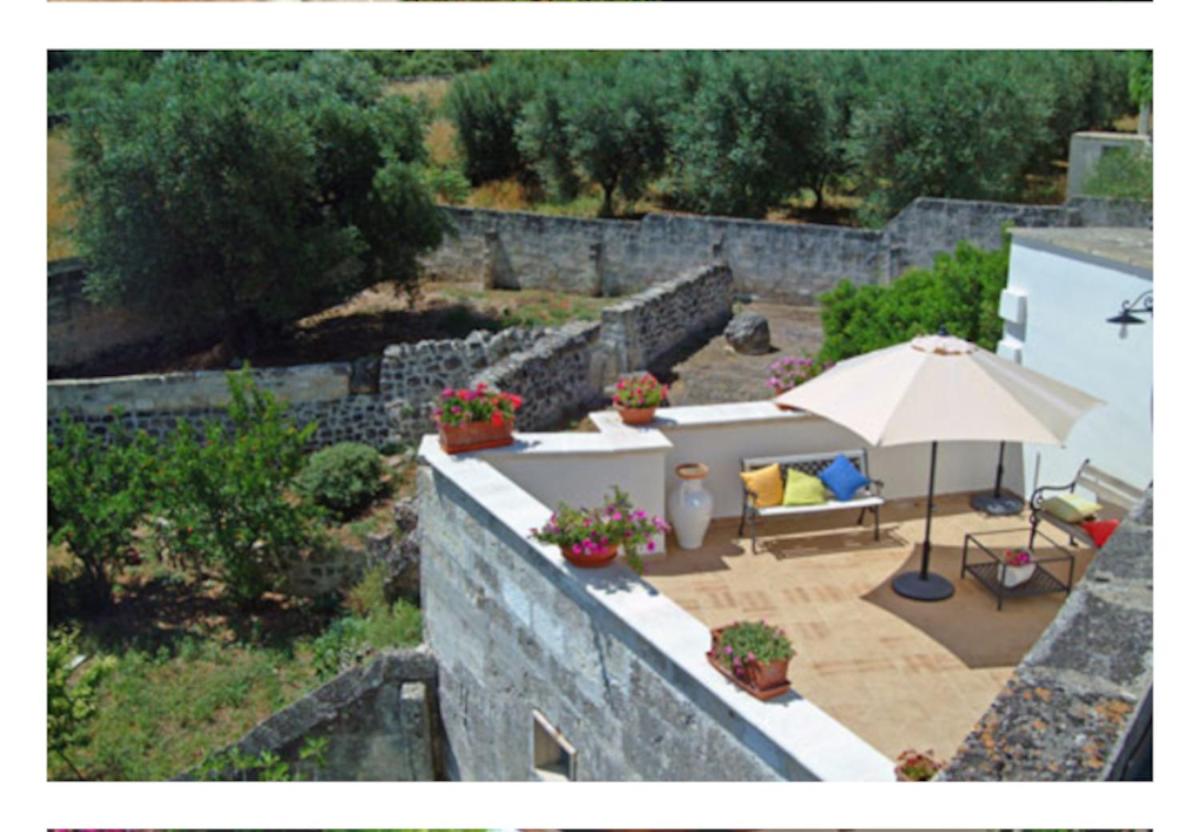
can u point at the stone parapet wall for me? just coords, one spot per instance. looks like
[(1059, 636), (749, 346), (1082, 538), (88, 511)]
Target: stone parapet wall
[(1079, 706)]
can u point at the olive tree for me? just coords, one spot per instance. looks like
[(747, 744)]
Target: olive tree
[(230, 197)]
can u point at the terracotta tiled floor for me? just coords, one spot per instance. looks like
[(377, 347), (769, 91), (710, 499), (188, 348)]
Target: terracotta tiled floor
[(899, 673)]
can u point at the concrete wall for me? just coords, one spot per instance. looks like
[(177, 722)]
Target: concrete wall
[(614, 666), (787, 261), (380, 721), (1057, 303), (1088, 147)]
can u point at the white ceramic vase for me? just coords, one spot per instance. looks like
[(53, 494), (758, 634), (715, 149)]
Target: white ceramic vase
[(691, 506), (1017, 575)]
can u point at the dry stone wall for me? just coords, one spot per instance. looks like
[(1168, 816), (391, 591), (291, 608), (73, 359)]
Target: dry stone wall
[(792, 262), (385, 399)]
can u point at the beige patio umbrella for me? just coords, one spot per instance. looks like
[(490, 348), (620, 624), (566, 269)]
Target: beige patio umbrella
[(938, 388)]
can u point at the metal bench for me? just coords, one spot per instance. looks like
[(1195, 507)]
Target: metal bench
[(1107, 489), (868, 498)]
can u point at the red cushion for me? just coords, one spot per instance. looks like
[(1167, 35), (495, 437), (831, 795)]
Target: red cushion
[(1100, 530)]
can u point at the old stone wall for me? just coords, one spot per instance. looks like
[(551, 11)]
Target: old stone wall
[(512, 634), (380, 721), (80, 331), (387, 399), (1079, 706), (792, 262)]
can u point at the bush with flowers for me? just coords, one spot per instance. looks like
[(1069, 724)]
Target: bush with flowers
[(917, 766), (741, 644), (597, 531), (643, 392), (792, 371), (475, 404)]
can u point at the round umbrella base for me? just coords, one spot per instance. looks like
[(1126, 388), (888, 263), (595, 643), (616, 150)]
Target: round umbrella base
[(997, 505), (932, 587)]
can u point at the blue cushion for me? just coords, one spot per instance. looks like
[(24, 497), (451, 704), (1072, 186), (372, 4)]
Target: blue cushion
[(842, 478)]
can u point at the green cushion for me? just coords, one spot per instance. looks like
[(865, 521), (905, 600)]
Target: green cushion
[(803, 489), (1071, 507)]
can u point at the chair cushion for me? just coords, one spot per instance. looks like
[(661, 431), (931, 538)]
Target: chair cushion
[(1100, 530), (767, 485), (842, 478), (1071, 507), (803, 489)]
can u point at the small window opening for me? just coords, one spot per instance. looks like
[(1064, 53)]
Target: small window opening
[(553, 756)]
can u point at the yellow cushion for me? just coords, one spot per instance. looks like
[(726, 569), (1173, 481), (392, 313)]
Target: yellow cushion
[(767, 485), (1071, 507), (803, 489)]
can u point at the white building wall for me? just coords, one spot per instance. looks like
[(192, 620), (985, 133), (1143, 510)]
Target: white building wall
[(1056, 306)]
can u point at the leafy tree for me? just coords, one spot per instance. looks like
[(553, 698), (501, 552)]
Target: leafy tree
[(484, 107), (749, 131), (224, 496), (945, 124), (71, 706), (615, 127), (960, 292), (99, 491), (544, 144), (230, 196)]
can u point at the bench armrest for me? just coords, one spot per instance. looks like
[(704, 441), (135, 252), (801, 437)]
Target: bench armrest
[(1039, 494), (876, 488)]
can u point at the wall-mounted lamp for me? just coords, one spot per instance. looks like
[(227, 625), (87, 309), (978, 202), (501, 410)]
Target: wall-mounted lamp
[(1143, 304)]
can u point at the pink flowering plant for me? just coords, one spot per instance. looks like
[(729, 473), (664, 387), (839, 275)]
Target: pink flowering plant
[(792, 371), (475, 404), (750, 641), (591, 531), (1017, 557), (645, 391), (917, 766)]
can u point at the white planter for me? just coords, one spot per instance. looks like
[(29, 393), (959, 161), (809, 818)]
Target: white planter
[(691, 506), (1013, 576)]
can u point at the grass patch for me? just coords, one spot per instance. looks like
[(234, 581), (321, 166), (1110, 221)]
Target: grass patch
[(527, 307)]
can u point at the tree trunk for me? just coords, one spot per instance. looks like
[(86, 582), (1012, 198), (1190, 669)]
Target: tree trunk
[(606, 208)]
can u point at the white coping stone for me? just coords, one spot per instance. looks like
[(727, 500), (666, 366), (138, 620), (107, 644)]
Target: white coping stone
[(801, 730), (573, 442), (695, 416)]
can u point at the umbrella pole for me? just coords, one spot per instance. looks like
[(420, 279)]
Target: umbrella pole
[(995, 503), (925, 585)]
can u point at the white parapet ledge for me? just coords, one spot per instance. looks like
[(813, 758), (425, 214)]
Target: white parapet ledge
[(562, 443), (793, 726), (698, 416)]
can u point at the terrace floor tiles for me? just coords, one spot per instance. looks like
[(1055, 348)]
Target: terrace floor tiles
[(899, 673)]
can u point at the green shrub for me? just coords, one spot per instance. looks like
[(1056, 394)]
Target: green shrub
[(960, 292), (225, 497), (484, 107), (353, 638), (1122, 174), (370, 593), (343, 478), (71, 706), (98, 493)]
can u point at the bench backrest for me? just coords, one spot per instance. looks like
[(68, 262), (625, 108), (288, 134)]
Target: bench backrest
[(1107, 488), (812, 464)]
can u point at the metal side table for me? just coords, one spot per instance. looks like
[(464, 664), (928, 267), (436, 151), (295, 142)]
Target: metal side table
[(991, 571)]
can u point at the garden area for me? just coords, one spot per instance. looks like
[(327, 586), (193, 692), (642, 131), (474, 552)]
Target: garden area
[(175, 621)]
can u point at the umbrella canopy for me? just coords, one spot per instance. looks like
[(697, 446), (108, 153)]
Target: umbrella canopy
[(937, 388)]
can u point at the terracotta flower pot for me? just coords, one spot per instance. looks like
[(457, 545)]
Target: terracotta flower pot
[(761, 680), (590, 561), (474, 436), (910, 762), (636, 415)]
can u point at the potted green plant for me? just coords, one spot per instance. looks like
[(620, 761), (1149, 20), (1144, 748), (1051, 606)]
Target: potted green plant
[(637, 399), (472, 418), (917, 766), (592, 537), (755, 655)]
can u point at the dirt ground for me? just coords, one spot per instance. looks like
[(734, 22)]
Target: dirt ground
[(717, 374)]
